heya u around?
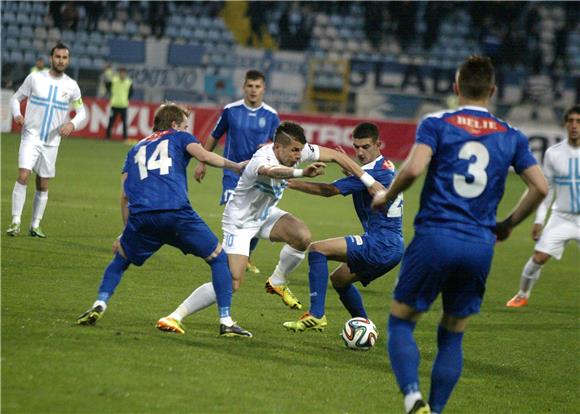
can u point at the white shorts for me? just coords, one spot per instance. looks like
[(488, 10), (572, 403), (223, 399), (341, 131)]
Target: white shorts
[(557, 233), (237, 239), (39, 158)]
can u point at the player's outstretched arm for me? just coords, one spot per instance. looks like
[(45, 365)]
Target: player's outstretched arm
[(280, 171), (124, 201), (536, 192), (319, 189), (199, 173), (413, 167), (213, 159), (348, 165)]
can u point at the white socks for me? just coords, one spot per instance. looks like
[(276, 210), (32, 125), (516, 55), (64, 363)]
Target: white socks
[(38, 207), (290, 258), (201, 298), (18, 199), (530, 275), (100, 303), (410, 400)]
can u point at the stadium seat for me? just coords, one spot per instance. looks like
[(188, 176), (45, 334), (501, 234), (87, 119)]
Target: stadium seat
[(24, 7), (15, 56), (8, 17), (68, 36), (12, 31), (23, 19), (25, 44), (39, 8), (104, 26), (29, 57), (10, 43), (26, 32), (85, 63), (131, 28)]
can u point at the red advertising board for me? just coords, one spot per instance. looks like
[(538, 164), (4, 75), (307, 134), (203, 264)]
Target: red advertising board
[(327, 130)]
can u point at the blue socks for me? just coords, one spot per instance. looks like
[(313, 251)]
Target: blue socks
[(446, 368), (318, 282), (403, 353), (221, 278), (352, 300), (253, 244), (112, 277)]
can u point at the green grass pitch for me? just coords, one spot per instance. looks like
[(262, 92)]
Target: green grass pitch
[(520, 361)]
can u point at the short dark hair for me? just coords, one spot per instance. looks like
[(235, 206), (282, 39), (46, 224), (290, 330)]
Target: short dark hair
[(573, 110), (168, 113), (288, 131), (366, 130), (476, 77), (254, 75), (59, 45)]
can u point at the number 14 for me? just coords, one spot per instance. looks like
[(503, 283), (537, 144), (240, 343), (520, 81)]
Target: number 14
[(159, 160)]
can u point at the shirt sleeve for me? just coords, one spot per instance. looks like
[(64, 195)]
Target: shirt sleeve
[(351, 184), (23, 92), (256, 162), (310, 153), (221, 125), (523, 157), (427, 133)]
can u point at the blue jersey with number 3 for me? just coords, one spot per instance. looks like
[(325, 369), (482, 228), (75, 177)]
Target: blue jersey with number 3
[(156, 172), (472, 152)]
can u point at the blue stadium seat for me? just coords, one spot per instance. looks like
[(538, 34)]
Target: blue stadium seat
[(68, 36), (10, 43), (93, 50), (99, 63), (30, 57), (15, 56), (24, 7), (25, 44), (8, 17), (39, 8), (185, 32), (96, 38), (85, 62), (131, 28), (23, 19), (12, 31), (172, 32), (27, 32)]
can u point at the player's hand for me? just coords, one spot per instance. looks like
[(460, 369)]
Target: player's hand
[(199, 172), (379, 199), (66, 129), (314, 170), (537, 230), (240, 166), (375, 188), (340, 149), (19, 120), (116, 245), (503, 229)]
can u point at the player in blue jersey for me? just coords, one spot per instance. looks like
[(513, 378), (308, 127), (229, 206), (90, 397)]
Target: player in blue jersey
[(467, 154), (248, 123), (156, 211), (364, 258)]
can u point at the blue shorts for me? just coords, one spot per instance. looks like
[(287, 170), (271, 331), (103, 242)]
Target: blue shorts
[(229, 184), (442, 263), (145, 233), (370, 257)]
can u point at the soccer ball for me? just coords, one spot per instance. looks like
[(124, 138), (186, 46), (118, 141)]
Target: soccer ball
[(359, 333)]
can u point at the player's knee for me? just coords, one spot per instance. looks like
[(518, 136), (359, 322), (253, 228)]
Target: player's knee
[(337, 282), (315, 248), (301, 240), (540, 258)]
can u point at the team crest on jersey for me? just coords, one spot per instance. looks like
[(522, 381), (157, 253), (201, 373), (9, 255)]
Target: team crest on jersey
[(388, 165), (64, 95), (262, 122), (476, 125)]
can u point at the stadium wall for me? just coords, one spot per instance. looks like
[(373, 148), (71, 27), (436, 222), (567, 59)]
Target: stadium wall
[(329, 130)]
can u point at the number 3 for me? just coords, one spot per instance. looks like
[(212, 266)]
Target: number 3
[(476, 169), (158, 160)]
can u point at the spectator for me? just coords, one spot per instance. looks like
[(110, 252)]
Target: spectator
[(158, 11), (38, 66), (70, 16), (94, 11), (121, 89)]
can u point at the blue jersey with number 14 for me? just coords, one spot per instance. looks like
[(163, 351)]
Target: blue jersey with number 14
[(156, 172), (472, 153)]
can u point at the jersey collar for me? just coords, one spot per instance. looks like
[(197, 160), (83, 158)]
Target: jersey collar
[(473, 108), (371, 164), (250, 108)]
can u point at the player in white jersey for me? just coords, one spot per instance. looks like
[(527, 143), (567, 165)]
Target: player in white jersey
[(562, 169), (252, 212), (50, 94)]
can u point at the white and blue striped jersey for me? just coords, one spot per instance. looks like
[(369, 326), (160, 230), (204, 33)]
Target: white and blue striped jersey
[(49, 101), (256, 194), (562, 170)]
